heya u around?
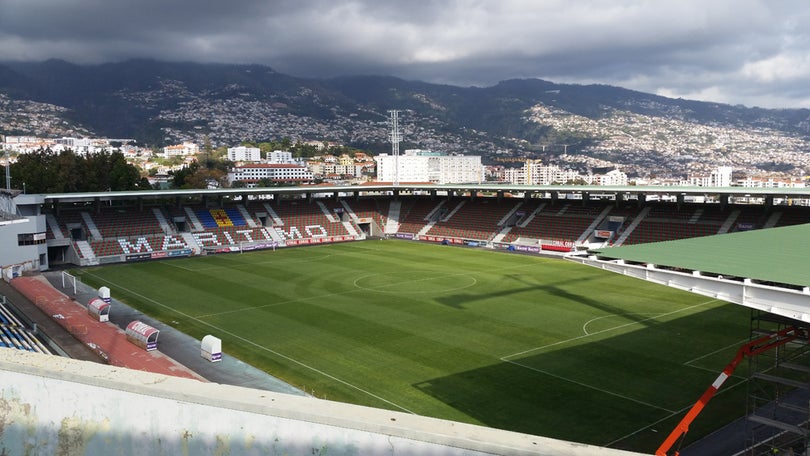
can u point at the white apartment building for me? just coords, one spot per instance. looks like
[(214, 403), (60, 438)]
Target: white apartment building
[(282, 157), (181, 150), (79, 146), (244, 154), (417, 165), (770, 182), (613, 177), (536, 174), (720, 177), (251, 175)]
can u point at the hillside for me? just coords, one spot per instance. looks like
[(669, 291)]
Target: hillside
[(574, 125)]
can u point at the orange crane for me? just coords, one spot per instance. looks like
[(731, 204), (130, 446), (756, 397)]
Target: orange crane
[(750, 349)]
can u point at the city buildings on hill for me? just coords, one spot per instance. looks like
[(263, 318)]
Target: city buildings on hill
[(254, 175), (244, 154), (181, 150), (283, 157), (533, 172), (417, 165), (720, 177), (79, 146)]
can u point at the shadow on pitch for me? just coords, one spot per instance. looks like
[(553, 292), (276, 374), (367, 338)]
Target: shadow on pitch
[(596, 390), (557, 290)]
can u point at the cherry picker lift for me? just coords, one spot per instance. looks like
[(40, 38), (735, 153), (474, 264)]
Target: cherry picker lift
[(748, 350)]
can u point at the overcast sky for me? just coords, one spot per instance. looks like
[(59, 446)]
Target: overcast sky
[(751, 52)]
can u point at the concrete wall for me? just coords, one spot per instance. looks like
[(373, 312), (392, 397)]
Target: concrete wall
[(28, 256), (34, 256), (54, 405)]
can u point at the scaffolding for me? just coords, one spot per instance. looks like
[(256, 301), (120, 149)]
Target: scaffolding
[(778, 400)]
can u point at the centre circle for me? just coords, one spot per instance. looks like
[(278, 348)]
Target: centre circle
[(415, 282)]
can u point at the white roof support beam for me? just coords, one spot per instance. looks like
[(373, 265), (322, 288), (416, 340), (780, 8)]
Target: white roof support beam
[(786, 302)]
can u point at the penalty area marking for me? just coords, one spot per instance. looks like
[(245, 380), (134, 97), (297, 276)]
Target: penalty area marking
[(585, 326), (585, 385), (262, 347), (691, 362), (561, 342), (724, 390)]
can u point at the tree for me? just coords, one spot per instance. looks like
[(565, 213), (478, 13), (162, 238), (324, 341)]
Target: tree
[(179, 176), (44, 171)]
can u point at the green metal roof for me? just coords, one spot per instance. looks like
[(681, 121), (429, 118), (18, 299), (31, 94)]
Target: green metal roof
[(780, 255)]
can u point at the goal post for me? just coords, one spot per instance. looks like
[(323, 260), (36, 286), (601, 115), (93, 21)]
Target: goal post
[(69, 279)]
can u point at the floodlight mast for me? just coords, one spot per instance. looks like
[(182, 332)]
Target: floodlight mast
[(8, 172), (396, 138), (748, 350)]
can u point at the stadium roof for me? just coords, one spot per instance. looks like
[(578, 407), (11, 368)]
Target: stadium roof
[(777, 255), (767, 270), (786, 193)]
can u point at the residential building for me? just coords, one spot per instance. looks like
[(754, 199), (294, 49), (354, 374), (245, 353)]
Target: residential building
[(720, 177), (282, 157), (613, 177), (417, 165), (181, 150), (244, 154), (770, 182), (253, 174)]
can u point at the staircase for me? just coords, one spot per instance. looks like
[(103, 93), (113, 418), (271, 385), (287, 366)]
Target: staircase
[(509, 214), (274, 235), (246, 215), (191, 242), (350, 228), (193, 220), (326, 212), (530, 217), (276, 219), (392, 224), (587, 233), (85, 249), (632, 226), (91, 225), (164, 224), (348, 210), (729, 222), (502, 234), (54, 224), (773, 219), (455, 209)]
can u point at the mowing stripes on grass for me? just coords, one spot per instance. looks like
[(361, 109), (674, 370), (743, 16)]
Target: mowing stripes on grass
[(587, 334), (261, 347), (424, 328), (596, 388)]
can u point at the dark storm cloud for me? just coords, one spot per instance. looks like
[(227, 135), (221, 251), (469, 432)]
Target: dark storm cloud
[(743, 51)]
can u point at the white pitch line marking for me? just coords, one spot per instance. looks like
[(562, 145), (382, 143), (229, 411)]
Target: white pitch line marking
[(585, 326), (561, 342), (736, 344), (250, 342), (585, 385), (729, 388)]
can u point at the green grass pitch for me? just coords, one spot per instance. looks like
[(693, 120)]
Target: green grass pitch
[(530, 344)]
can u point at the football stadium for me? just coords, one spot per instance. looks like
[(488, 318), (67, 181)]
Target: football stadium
[(415, 319)]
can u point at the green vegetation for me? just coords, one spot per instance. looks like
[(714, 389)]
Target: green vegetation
[(518, 342), (45, 171)]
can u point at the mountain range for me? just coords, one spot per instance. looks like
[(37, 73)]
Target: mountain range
[(580, 126)]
